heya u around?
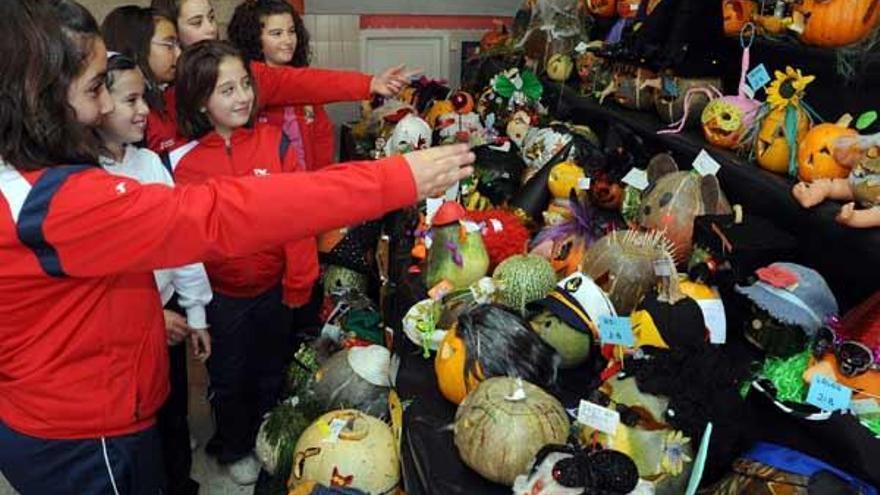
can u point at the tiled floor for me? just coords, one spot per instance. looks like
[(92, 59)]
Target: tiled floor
[(212, 477)]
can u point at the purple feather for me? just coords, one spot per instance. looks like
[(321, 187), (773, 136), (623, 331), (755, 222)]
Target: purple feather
[(583, 224), (456, 256)]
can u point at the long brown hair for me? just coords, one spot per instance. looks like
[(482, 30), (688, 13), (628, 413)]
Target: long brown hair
[(53, 40), (197, 71)]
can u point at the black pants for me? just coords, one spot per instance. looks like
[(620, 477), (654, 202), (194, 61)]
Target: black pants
[(173, 423), (125, 465), (250, 344)]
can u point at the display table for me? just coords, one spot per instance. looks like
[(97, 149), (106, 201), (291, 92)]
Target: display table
[(849, 259)]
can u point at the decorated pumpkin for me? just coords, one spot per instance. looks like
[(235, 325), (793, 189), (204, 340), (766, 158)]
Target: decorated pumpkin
[(725, 120), (523, 279), (357, 378), (502, 424), (771, 146), (490, 340), (462, 102), (410, 134), (816, 152), (569, 318), (494, 38), (622, 264), (865, 178), (503, 234), (347, 449), (674, 199), (736, 14), (602, 8), (457, 252), (663, 455), (559, 67), (838, 22), (518, 126)]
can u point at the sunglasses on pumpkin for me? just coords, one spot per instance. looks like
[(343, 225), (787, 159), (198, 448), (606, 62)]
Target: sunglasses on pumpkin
[(853, 358)]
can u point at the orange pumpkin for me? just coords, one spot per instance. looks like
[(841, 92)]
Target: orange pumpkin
[(449, 367), (838, 22), (771, 145), (494, 38), (602, 8), (816, 153), (736, 14)]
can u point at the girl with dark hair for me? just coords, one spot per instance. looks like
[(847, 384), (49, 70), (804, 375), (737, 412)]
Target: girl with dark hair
[(183, 290), (83, 365), (250, 326), (150, 40), (271, 31), (279, 86)]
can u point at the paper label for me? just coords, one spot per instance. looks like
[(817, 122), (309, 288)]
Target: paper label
[(616, 330), (637, 178), (584, 183), (716, 320), (598, 417), (748, 91), (758, 77), (581, 47), (828, 395), (864, 407), (334, 429), (664, 267), (497, 226), (705, 164)]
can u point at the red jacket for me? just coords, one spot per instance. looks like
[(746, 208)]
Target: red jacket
[(315, 127), (276, 86), (250, 152), (82, 339)]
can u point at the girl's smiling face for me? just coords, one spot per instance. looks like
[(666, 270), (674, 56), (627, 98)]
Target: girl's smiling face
[(128, 121), (278, 39), (87, 93), (231, 104)]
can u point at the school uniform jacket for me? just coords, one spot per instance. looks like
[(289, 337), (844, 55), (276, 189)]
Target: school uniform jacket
[(82, 338), (276, 86), (251, 152), (189, 282)]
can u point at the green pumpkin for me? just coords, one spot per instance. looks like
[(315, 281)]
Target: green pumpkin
[(572, 345), (456, 255), (523, 279)]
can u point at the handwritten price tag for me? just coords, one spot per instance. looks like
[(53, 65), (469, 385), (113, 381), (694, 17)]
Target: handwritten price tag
[(716, 320), (828, 395), (598, 417), (616, 330), (758, 77)]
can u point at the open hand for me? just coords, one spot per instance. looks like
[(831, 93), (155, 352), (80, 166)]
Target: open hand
[(392, 81), (436, 169)]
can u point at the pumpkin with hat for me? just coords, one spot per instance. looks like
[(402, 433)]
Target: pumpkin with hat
[(457, 253), (790, 303), (568, 317)]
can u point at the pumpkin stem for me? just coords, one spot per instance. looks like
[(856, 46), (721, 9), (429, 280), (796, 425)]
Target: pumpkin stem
[(844, 121)]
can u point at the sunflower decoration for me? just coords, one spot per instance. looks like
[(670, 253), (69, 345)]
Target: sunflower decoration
[(783, 121), (788, 88), (674, 453)]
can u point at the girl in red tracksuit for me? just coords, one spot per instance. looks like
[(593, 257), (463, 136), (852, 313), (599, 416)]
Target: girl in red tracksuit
[(83, 364), (271, 31), (250, 326)]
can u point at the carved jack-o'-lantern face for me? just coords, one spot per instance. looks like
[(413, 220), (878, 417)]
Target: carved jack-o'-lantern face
[(815, 153), (724, 122)]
